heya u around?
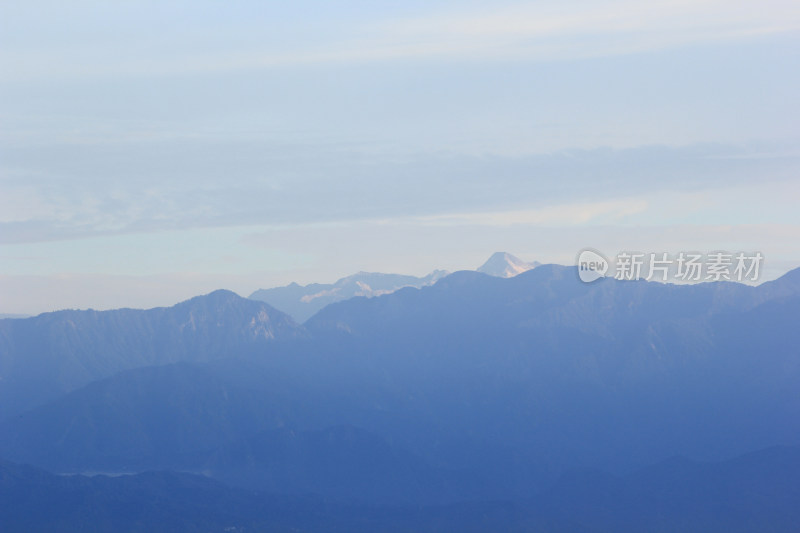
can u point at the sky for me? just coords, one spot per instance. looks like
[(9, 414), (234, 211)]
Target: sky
[(153, 151)]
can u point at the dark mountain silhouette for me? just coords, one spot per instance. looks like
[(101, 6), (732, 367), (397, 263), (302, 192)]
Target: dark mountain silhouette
[(342, 463), (234, 428), (153, 417), (53, 353), (755, 492)]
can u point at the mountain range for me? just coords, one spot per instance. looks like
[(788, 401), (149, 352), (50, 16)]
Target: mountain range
[(301, 302), (53, 353), (535, 389)]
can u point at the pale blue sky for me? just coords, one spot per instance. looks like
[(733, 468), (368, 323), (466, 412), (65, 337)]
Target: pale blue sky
[(150, 151)]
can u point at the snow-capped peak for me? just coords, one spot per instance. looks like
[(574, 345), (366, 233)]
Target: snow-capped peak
[(505, 265)]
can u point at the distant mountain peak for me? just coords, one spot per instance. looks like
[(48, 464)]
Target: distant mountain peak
[(216, 300), (505, 265), (301, 302), (221, 294)]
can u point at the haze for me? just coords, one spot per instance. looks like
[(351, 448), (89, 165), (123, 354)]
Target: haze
[(152, 152)]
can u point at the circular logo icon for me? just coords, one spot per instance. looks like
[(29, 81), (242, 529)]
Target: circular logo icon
[(591, 265)]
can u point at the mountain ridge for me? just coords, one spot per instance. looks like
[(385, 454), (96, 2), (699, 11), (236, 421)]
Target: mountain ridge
[(69, 348), (303, 301)]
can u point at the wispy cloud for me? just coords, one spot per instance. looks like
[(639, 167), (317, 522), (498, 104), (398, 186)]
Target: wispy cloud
[(98, 193), (341, 186), (572, 214), (569, 30), (525, 31), (711, 17)]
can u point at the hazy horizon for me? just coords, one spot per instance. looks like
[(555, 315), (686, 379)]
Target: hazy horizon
[(154, 152)]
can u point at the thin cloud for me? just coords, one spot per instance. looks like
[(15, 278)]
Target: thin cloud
[(574, 18), (538, 32), (590, 29), (557, 215), (563, 188)]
